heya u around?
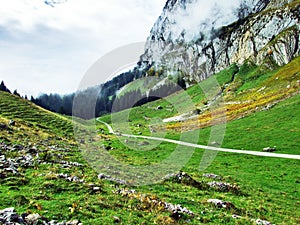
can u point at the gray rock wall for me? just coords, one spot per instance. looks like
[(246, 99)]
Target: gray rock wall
[(246, 30)]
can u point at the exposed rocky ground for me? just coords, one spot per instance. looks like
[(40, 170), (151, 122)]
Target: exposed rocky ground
[(186, 179), (15, 158), (9, 216), (204, 45), (177, 210)]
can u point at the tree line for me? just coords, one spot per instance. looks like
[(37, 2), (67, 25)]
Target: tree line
[(102, 99), (5, 89)]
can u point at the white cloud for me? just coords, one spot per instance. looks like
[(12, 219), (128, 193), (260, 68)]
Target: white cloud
[(202, 15), (48, 49)]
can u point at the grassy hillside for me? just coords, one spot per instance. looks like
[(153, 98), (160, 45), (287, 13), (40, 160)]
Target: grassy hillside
[(239, 91), (269, 186), (50, 176), (31, 118), (261, 108)]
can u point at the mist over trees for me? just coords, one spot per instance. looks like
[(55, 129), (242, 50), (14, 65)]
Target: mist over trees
[(84, 99), (102, 99), (55, 103)]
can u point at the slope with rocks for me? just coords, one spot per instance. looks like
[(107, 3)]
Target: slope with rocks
[(45, 180)]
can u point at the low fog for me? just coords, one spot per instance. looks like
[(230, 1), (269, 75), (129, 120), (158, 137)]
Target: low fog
[(197, 16)]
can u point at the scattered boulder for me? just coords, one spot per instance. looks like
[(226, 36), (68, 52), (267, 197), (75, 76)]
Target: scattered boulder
[(30, 155), (17, 147), (12, 123), (66, 164), (108, 177), (224, 187), (197, 111), (70, 178), (176, 210), (214, 143), (108, 148), (221, 204), (234, 216), (184, 178), (33, 150), (8, 216), (212, 176), (8, 166), (73, 222), (96, 189), (269, 149), (262, 222), (268, 107), (116, 219), (32, 218)]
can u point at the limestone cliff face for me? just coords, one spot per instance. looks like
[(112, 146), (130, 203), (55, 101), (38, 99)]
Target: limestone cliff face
[(200, 38)]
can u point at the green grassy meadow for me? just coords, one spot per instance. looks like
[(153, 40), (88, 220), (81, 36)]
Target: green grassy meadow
[(262, 112), (271, 119)]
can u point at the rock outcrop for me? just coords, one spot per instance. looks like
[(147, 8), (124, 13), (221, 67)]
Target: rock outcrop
[(199, 38)]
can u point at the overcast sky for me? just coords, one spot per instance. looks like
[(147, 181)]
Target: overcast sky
[(48, 48)]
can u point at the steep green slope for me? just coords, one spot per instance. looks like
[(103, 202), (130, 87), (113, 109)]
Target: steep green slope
[(271, 184), (262, 109), (238, 90), (42, 172), (31, 117), (50, 176)]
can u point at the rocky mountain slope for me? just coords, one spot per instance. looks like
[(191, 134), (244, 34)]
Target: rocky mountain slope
[(200, 38)]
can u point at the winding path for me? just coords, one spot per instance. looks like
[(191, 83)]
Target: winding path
[(257, 153)]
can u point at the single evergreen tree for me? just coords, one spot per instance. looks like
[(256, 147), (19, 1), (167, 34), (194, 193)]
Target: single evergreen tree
[(16, 93), (4, 88)]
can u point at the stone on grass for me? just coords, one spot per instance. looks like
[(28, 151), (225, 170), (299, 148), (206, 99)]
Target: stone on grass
[(32, 218), (116, 219), (213, 176), (262, 222), (8, 216), (73, 222), (221, 204), (222, 186), (269, 149), (12, 123), (234, 216)]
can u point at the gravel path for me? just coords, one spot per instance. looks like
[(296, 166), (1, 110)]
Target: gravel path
[(248, 152)]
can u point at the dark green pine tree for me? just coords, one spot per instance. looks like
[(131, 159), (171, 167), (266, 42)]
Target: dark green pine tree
[(16, 93), (4, 88)]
